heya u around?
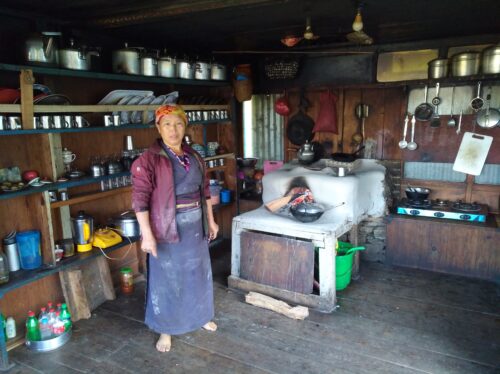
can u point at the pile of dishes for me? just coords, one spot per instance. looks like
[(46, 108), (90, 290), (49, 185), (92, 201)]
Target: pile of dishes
[(137, 97)]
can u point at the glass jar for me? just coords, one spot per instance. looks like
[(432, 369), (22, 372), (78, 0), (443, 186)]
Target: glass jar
[(126, 280)]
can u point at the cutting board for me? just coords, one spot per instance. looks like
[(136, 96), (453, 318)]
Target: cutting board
[(472, 153)]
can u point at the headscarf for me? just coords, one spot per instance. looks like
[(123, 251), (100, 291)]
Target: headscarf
[(165, 110)]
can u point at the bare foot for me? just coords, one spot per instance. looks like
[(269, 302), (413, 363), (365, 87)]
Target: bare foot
[(164, 343), (210, 326)]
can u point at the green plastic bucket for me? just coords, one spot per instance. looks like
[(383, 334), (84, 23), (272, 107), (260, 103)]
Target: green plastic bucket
[(343, 264)]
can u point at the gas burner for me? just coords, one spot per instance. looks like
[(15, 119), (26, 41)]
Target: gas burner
[(419, 203), (439, 202), (466, 207)]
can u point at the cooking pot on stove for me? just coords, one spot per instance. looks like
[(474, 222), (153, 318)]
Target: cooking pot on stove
[(347, 157), (417, 193), (307, 212)]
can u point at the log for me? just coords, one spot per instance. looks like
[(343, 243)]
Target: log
[(278, 306)]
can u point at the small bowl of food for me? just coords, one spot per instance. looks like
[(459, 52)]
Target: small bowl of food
[(417, 193)]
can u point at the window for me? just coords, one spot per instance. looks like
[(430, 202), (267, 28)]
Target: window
[(262, 129)]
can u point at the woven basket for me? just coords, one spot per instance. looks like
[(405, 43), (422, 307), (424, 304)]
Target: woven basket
[(283, 68)]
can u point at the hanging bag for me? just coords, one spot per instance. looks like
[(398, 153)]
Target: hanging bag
[(327, 117), (281, 106)]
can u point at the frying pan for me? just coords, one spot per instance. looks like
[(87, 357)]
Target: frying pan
[(300, 125), (424, 111), (346, 157)]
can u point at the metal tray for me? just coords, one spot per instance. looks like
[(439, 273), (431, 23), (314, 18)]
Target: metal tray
[(49, 344)]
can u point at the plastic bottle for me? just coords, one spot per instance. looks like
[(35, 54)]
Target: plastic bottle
[(32, 329), (50, 305), (58, 325), (10, 328), (65, 317), (2, 325), (43, 324), (58, 307)]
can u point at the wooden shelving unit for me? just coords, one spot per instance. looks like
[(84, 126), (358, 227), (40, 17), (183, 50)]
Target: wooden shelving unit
[(90, 196)]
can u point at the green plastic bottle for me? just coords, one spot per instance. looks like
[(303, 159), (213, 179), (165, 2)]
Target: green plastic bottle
[(32, 329), (65, 316), (3, 325)]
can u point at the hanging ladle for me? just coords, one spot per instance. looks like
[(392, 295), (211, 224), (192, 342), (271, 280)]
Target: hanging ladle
[(451, 121), (412, 145), (403, 143)]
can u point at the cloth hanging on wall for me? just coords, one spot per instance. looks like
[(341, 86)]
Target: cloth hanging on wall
[(327, 117)]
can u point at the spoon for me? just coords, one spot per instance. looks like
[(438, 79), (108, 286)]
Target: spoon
[(451, 121), (403, 143), (412, 145), (459, 122)]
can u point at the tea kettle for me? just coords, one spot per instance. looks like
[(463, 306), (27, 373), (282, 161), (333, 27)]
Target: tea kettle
[(82, 227), (306, 153), (41, 48)]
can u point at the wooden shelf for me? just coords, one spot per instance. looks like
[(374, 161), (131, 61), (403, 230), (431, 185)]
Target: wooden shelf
[(21, 278), (60, 185), (111, 76), (90, 196), (225, 155)]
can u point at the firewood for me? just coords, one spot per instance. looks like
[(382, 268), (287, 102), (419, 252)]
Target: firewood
[(278, 306)]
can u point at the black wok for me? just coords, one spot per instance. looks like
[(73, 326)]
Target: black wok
[(424, 111), (346, 157), (300, 125)]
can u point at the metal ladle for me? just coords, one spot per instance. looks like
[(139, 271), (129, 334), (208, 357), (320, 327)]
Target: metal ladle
[(412, 145), (403, 143), (451, 121)]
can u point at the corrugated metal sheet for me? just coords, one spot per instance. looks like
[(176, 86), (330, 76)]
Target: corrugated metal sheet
[(432, 171), (267, 130), (489, 175)]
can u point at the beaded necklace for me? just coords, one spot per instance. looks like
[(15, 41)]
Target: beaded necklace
[(183, 160)]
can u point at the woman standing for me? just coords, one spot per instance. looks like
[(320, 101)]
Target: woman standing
[(171, 199)]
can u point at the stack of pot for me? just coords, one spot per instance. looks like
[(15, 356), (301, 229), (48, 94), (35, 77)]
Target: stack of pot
[(465, 64)]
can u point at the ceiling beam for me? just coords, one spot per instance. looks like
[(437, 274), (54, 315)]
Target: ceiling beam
[(179, 8)]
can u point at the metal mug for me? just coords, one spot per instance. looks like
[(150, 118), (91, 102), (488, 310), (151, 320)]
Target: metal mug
[(37, 124), (68, 121), (81, 122), (15, 123), (117, 120), (57, 122), (63, 195), (108, 120), (3, 123), (52, 195), (46, 122)]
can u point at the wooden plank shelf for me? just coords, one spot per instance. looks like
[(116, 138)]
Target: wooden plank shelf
[(111, 76), (225, 155), (16, 108), (90, 196), (21, 278), (60, 185)]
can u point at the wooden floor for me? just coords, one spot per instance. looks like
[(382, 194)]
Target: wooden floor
[(392, 320)]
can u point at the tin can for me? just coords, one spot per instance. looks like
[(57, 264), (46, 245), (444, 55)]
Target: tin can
[(63, 195), (52, 195)]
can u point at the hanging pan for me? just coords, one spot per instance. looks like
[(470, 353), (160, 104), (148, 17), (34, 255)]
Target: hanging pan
[(300, 125), (488, 117), (424, 111)]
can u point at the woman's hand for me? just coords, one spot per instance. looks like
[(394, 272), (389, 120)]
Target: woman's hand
[(213, 229), (148, 245)]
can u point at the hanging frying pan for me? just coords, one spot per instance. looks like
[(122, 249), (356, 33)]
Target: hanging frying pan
[(300, 125), (424, 111)]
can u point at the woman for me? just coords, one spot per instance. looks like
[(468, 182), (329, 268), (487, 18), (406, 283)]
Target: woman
[(171, 199)]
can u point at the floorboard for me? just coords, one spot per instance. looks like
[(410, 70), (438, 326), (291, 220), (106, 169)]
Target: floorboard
[(391, 320)]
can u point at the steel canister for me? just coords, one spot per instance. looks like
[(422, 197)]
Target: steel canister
[(10, 249)]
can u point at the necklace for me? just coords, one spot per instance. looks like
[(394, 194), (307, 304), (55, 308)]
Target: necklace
[(183, 159)]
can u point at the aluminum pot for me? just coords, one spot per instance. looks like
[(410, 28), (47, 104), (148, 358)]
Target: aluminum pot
[(42, 48), (149, 65), (76, 58), (465, 64), (202, 70), (126, 60), (218, 72), (185, 69), (438, 68), (491, 60), (127, 224), (166, 66)]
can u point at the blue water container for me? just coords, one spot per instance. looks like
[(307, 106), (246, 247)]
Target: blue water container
[(28, 246)]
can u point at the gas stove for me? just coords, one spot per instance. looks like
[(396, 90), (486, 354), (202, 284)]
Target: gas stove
[(456, 210)]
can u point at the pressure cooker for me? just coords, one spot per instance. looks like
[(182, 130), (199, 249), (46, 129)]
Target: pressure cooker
[(149, 63), (202, 70), (76, 58), (127, 225), (43, 48), (218, 72), (126, 60), (166, 66), (185, 69)]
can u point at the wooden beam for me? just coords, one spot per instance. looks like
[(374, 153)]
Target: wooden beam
[(26, 81)]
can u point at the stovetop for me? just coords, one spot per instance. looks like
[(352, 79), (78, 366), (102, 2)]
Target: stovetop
[(457, 210)]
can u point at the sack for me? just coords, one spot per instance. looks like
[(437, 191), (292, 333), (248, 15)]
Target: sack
[(327, 117), (281, 106)]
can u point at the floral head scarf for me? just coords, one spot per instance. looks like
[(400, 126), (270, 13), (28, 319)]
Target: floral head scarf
[(165, 110)]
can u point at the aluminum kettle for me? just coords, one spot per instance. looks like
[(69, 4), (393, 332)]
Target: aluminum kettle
[(82, 227), (42, 48), (306, 153)]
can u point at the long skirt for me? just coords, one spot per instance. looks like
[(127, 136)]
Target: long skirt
[(180, 288)]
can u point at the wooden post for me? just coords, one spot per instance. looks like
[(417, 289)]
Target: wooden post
[(26, 81), (353, 235), (74, 293)]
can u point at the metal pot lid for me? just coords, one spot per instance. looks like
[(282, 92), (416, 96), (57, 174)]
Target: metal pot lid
[(309, 208), (126, 48), (127, 217), (493, 50), (82, 216), (438, 62), (466, 56)]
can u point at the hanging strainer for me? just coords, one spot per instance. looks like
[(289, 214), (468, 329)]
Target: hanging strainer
[(477, 102)]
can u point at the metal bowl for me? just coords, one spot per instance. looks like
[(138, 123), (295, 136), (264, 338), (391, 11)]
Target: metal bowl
[(307, 212), (417, 193), (49, 344)]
